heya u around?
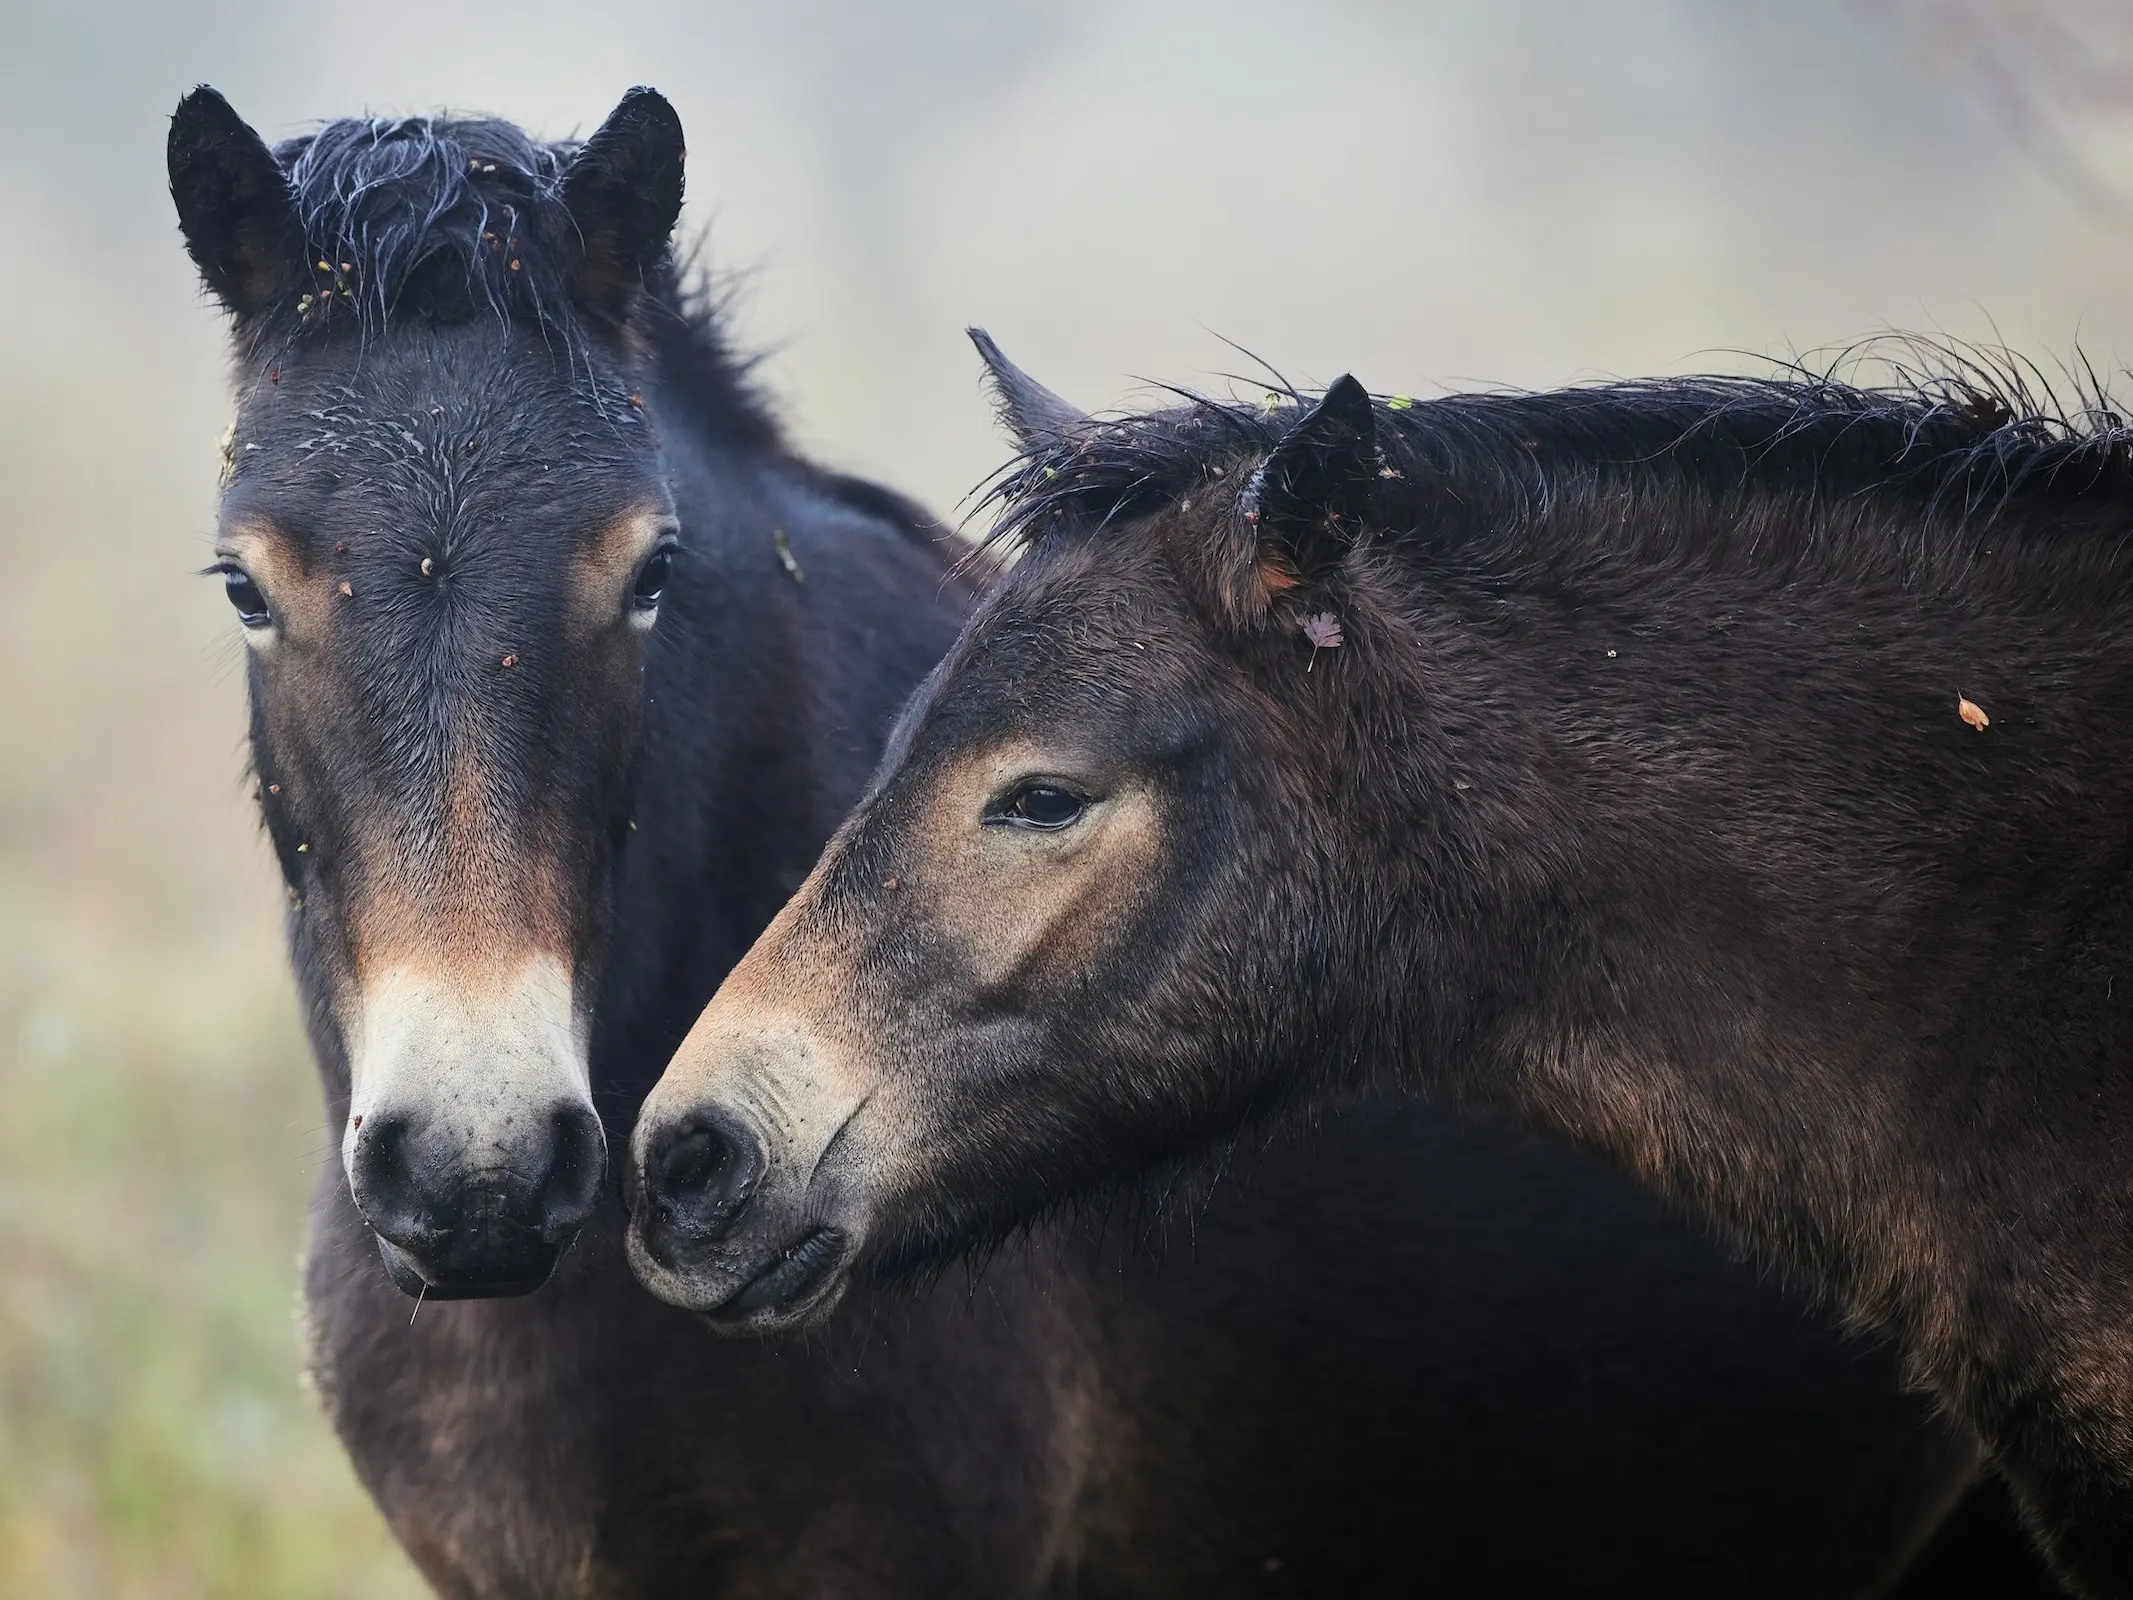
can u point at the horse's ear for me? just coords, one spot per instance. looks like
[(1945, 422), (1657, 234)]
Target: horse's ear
[(1027, 409), (1308, 500), (623, 193), (235, 207)]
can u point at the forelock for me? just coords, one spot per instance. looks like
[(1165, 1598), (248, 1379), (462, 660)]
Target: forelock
[(434, 217)]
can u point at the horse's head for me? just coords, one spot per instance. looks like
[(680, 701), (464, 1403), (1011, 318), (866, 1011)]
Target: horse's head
[(445, 533), (1056, 941)]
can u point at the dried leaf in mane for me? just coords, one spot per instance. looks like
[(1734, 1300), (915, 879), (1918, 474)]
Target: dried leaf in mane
[(1323, 629)]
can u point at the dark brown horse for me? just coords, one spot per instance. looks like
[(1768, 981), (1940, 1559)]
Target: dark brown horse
[(1735, 776), (562, 667)]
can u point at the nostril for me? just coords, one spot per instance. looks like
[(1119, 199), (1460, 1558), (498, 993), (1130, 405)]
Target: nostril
[(380, 1153), (572, 1185), (382, 1181), (703, 1172), (693, 1160)]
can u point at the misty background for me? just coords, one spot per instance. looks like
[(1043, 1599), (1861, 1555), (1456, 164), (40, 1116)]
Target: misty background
[(1431, 195)]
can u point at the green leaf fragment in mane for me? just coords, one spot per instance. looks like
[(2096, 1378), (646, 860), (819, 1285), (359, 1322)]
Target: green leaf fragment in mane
[(785, 556)]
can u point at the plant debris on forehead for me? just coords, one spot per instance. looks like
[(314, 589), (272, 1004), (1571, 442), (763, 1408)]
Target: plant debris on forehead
[(431, 217), (1974, 433), (442, 220)]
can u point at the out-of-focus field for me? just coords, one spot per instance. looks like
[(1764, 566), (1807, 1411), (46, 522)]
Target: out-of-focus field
[(158, 1121), (153, 1138), (1469, 190)]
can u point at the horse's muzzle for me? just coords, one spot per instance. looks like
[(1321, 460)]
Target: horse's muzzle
[(703, 1236), (449, 1231)]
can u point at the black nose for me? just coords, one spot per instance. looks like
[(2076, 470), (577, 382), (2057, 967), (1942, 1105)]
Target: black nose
[(478, 1216), (700, 1173)]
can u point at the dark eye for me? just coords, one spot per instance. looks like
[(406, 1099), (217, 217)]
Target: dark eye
[(652, 578), (244, 595), (1042, 805)]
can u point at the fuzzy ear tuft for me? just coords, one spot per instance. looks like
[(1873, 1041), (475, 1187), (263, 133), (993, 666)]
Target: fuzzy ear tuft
[(234, 204), (1027, 409), (1308, 501), (623, 193)]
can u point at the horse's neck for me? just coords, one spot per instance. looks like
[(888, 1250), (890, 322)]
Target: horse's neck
[(759, 732), (708, 854), (1748, 900)]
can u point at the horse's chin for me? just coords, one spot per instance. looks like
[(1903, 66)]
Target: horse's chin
[(410, 1279), (799, 1288), (776, 1288)]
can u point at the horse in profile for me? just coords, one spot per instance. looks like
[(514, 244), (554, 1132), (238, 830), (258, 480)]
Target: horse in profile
[(1733, 775)]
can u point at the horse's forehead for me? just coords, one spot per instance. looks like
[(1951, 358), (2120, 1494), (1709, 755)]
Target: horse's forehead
[(1062, 634), (414, 385), (420, 419), (368, 467), (1092, 591)]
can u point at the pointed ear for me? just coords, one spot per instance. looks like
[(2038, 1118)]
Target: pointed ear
[(1308, 500), (1320, 476), (623, 192), (235, 207), (1027, 409)]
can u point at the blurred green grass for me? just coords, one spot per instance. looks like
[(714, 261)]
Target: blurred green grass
[(159, 1113), (157, 1140)]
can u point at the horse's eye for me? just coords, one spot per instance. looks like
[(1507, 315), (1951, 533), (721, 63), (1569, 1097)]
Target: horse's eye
[(652, 579), (244, 595), (1043, 805)]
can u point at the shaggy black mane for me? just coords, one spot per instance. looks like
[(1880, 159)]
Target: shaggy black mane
[(1972, 434), (432, 217), (445, 219)]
